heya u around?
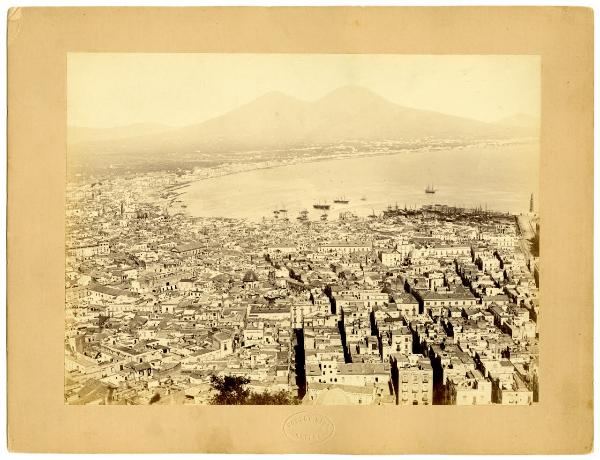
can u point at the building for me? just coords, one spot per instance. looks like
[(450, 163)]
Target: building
[(432, 302), (190, 249), (471, 389), (413, 377), (344, 248), (511, 391), (89, 250)]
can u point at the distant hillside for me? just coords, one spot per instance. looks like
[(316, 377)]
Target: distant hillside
[(276, 120)]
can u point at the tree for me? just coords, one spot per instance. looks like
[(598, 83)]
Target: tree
[(535, 244), (230, 390), (281, 398)]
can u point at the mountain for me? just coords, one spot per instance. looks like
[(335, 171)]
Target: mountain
[(357, 113), (276, 120)]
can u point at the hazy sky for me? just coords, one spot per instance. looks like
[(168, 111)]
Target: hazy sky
[(106, 89)]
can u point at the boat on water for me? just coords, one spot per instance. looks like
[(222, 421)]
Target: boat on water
[(321, 206), (324, 216), (430, 189), (341, 200), (364, 198), (303, 215)]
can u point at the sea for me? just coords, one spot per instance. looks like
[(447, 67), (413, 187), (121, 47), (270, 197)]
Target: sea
[(494, 177)]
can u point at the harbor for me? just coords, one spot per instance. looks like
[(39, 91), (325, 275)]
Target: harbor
[(504, 178)]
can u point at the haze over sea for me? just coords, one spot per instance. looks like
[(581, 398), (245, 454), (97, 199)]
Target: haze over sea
[(499, 177)]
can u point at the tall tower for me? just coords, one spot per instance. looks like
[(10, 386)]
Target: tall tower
[(531, 204)]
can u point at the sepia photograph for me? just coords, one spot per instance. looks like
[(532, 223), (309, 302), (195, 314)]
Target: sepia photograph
[(286, 230), (302, 229)]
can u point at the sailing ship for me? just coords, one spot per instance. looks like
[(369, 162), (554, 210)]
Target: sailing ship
[(430, 189), (341, 200), (321, 206)]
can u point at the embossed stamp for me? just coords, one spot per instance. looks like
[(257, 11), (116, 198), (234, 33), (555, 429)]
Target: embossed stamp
[(308, 427)]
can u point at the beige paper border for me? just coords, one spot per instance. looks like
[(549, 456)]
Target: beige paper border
[(39, 39)]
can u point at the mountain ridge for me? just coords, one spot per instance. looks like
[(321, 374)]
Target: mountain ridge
[(277, 120)]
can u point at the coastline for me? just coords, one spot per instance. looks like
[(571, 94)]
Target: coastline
[(226, 170), (216, 172)]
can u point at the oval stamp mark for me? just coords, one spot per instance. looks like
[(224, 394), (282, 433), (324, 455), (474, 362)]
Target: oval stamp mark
[(309, 428)]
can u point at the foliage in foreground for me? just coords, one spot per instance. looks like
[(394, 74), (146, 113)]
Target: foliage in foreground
[(535, 245), (231, 390)]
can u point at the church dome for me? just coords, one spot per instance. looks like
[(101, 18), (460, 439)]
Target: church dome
[(333, 397), (250, 277)]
